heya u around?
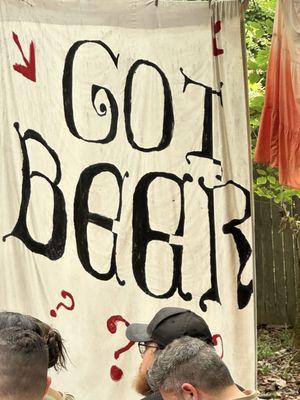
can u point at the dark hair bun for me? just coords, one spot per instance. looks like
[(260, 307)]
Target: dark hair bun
[(56, 350)]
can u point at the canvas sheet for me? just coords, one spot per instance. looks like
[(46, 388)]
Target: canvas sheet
[(125, 177)]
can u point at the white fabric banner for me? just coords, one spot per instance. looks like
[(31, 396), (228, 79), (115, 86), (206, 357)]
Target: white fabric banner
[(125, 177)]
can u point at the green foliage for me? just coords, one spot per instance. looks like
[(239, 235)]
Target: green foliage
[(259, 26), (265, 184), (271, 341)]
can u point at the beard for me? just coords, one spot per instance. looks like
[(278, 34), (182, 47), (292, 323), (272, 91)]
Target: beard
[(140, 383)]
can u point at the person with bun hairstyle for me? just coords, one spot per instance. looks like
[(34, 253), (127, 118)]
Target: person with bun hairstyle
[(20, 349), (56, 351)]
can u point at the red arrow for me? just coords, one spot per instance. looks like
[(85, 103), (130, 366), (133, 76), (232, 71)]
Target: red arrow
[(27, 70)]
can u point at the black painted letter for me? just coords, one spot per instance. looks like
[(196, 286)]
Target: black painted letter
[(68, 94), (82, 217), (168, 122), (54, 249), (143, 234)]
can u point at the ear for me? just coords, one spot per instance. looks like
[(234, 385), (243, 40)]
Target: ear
[(48, 384), (189, 392)]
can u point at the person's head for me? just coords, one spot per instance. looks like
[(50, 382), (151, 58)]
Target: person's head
[(57, 352), (189, 369), (168, 324), (23, 365)]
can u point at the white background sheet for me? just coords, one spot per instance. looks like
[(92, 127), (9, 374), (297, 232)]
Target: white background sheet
[(172, 36)]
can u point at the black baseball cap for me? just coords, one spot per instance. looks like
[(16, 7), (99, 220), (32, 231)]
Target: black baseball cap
[(168, 324)]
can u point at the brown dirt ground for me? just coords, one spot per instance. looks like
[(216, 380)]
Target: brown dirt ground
[(278, 373)]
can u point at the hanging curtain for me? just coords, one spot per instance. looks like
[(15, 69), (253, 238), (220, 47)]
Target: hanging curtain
[(279, 136), (125, 177)]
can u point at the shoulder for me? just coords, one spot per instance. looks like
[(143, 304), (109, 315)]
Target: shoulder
[(52, 395), (60, 396), (251, 395), (67, 396)]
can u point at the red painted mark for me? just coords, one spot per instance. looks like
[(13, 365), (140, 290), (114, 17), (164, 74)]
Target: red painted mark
[(64, 294), (215, 343), (27, 70), (217, 28), (115, 372), (112, 323)]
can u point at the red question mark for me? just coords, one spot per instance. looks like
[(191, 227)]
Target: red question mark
[(115, 372), (64, 294), (216, 51), (215, 342)]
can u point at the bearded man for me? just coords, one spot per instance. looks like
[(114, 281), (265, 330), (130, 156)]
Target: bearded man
[(168, 324)]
